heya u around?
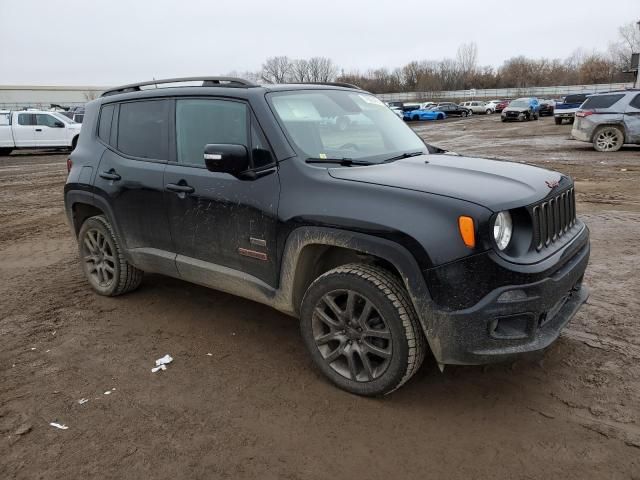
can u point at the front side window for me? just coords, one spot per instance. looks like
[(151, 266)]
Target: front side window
[(26, 119), (46, 120), (143, 129), (635, 103), (201, 121), (337, 124)]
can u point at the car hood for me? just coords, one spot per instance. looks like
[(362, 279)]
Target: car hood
[(516, 109), (497, 185)]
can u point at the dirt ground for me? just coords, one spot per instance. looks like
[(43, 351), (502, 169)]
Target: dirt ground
[(241, 399)]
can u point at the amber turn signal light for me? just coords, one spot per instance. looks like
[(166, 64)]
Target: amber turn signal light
[(467, 231)]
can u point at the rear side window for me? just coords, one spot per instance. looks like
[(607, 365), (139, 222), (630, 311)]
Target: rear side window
[(201, 121), (601, 101), (635, 102), (26, 119), (143, 129), (104, 128), (4, 119)]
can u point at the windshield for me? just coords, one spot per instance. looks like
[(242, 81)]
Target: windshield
[(519, 103), (63, 118), (339, 124)]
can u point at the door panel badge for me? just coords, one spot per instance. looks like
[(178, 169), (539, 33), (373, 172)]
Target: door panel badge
[(259, 242)]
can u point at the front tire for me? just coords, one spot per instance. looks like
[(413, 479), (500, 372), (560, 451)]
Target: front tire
[(104, 265), (5, 152), (361, 330), (558, 121), (608, 138)]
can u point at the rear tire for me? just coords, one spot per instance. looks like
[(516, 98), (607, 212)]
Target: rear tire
[(608, 138), (415, 118), (558, 121), (361, 330), (104, 265), (5, 152)]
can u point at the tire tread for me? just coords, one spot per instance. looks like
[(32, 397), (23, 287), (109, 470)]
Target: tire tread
[(391, 287)]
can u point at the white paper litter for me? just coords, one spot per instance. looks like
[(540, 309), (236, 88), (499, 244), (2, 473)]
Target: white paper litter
[(159, 367), (164, 360), (58, 425), (83, 400), (108, 392), (209, 354)]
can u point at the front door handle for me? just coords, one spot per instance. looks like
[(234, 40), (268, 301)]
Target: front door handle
[(38, 129), (110, 175), (174, 187)]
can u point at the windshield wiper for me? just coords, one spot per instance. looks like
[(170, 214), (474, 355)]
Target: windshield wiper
[(347, 162), (404, 155)]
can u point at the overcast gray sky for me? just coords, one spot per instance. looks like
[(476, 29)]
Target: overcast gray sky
[(106, 42)]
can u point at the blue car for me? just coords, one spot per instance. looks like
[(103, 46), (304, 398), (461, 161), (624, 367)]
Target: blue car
[(420, 114)]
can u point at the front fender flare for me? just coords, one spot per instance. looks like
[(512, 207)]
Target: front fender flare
[(390, 251)]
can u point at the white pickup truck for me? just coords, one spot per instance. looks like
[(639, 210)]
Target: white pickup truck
[(36, 129)]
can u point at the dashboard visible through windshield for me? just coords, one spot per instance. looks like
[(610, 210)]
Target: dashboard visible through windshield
[(338, 125)]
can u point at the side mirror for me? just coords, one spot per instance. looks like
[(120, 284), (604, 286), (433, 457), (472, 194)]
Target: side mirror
[(226, 158), (58, 124)]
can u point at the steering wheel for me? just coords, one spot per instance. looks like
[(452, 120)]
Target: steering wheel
[(349, 146)]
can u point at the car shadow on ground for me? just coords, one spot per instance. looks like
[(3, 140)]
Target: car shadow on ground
[(210, 312)]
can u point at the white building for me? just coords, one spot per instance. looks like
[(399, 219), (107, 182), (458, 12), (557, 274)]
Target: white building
[(18, 96)]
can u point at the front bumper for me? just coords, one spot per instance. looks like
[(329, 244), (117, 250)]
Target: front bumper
[(511, 320)]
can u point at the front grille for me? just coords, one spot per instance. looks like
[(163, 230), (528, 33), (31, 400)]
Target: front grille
[(513, 114), (553, 217)]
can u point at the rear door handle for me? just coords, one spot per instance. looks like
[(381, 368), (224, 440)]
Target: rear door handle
[(173, 187), (110, 175), (38, 129)]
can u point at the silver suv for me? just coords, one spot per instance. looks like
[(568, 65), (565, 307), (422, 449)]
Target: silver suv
[(609, 120)]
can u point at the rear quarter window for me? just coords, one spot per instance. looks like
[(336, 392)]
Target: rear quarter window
[(601, 101), (4, 119), (104, 127)]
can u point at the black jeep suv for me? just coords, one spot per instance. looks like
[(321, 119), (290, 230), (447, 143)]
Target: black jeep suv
[(379, 243)]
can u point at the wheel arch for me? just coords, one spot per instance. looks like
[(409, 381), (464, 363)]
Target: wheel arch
[(311, 251), (619, 124)]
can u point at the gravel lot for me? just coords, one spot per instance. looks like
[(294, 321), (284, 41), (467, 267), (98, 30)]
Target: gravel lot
[(241, 399)]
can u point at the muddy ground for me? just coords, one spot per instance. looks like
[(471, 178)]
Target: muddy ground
[(241, 399)]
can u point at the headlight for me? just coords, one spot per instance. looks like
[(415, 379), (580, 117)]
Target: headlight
[(502, 229)]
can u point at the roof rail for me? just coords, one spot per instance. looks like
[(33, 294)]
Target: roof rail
[(206, 82), (331, 84)]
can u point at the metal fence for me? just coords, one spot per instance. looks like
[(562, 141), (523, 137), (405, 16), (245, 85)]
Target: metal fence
[(500, 93)]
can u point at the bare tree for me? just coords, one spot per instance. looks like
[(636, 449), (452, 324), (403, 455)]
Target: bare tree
[(467, 58), (628, 43), (322, 69), (300, 71), (90, 95), (276, 69)]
